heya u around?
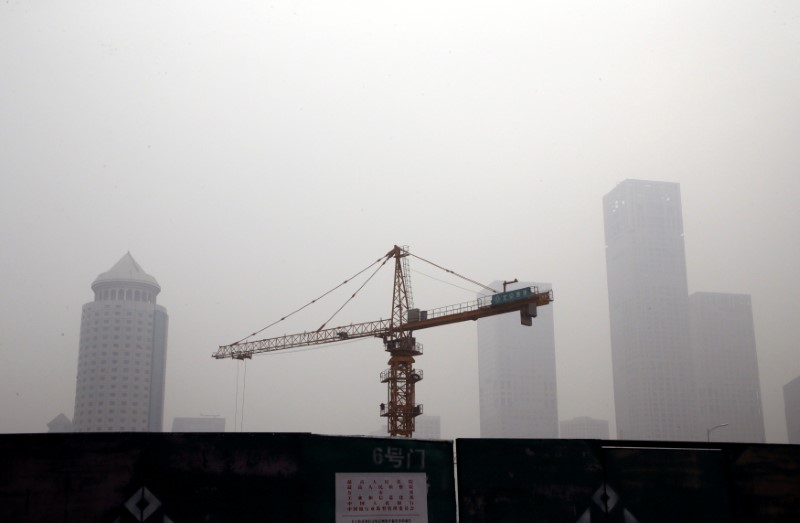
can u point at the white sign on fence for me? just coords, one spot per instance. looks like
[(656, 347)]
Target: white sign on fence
[(381, 497)]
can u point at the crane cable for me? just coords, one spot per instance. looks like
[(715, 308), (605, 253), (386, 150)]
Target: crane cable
[(386, 258), (444, 281), (383, 258), (236, 399), (244, 386), (238, 422), (452, 272)]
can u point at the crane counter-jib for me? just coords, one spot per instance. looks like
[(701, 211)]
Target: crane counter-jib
[(483, 308)]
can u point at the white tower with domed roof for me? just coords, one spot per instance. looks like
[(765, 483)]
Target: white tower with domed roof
[(122, 358)]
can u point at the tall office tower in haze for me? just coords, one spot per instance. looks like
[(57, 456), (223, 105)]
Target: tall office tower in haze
[(726, 366), (791, 403), (648, 309), (122, 359), (517, 374)]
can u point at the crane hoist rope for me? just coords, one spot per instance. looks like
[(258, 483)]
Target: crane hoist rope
[(397, 335)]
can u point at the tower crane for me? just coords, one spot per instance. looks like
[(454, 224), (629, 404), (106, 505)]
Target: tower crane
[(397, 333)]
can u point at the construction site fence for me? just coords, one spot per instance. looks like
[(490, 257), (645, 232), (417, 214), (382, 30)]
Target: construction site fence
[(221, 477)]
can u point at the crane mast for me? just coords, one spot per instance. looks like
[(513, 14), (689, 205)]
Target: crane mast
[(400, 408), (400, 377)]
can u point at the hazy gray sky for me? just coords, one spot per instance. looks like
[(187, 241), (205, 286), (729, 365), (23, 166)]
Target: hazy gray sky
[(253, 155)]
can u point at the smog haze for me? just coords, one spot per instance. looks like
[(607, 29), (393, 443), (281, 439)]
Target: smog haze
[(252, 156)]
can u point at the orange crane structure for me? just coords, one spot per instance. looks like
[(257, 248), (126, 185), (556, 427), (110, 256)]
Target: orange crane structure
[(397, 334)]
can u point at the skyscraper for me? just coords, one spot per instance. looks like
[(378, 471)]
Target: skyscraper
[(726, 366), (517, 374), (122, 357), (791, 403), (648, 309)]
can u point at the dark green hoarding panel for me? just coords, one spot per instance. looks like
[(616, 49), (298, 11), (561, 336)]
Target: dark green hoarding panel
[(126, 477), (666, 485), (178, 478), (765, 481), (627, 481), (514, 480)]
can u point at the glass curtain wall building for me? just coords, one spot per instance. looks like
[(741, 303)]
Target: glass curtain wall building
[(726, 367), (517, 374), (648, 308)]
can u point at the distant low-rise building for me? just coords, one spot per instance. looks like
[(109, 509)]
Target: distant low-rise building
[(791, 402), (60, 423), (427, 427), (584, 427), (382, 432), (198, 424)]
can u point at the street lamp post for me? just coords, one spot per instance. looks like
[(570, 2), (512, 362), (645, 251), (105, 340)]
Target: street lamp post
[(715, 427)]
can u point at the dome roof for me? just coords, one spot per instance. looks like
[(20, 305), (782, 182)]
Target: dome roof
[(124, 271)]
